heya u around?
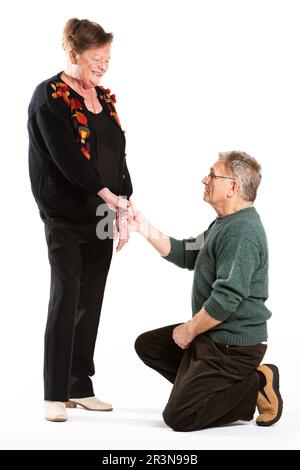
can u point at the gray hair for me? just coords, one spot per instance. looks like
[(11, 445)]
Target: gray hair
[(245, 169)]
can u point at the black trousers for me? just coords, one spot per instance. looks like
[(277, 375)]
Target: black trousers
[(214, 384), (80, 263)]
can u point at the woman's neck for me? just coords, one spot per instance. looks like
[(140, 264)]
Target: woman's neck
[(89, 94), (82, 86)]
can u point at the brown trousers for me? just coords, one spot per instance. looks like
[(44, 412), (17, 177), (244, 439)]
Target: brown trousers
[(214, 384)]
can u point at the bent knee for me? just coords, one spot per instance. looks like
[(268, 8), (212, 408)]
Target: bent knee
[(141, 345), (176, 420)]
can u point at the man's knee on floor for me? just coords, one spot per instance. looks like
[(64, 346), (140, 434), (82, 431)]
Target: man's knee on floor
[(176, 420)]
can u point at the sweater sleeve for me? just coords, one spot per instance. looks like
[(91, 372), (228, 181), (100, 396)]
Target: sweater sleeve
[(58, 135), (237, 259), (184, 253), (126, 189)]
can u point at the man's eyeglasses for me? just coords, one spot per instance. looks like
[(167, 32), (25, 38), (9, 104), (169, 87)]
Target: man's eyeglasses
[(211, 176)]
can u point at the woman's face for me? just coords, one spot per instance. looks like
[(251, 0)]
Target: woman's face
[(91, 65)]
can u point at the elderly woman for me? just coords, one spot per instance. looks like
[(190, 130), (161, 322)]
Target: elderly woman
[(77, 162)]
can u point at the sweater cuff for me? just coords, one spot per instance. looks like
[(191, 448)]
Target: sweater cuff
[(175, 251), (98, 188), (215, 310)]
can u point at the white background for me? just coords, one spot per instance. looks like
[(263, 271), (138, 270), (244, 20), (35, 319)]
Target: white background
[(192, 78)]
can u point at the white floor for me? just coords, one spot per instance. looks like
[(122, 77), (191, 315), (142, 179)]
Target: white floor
[(136, 428), (138, 395)]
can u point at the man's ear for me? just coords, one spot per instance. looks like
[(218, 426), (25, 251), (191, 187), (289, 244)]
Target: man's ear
[(234, 188)]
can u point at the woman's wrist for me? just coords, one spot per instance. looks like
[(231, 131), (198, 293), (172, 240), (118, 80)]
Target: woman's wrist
[(110, 198), (104, 193)]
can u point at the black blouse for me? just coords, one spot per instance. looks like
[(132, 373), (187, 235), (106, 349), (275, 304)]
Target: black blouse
[(110, 150)]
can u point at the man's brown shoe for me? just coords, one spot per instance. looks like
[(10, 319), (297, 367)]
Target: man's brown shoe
[(269, 401)]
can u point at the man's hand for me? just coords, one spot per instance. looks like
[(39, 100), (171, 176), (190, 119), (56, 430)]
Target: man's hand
[(124, 218), (124, 215), (138, 222), (121, 229), (183, 335), (158, 240)]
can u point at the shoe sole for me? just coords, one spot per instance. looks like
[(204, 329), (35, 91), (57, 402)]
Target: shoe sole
[(57, 420), (74, 404), (275, 385)]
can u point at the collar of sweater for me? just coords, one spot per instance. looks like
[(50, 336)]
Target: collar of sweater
[(249, 210)]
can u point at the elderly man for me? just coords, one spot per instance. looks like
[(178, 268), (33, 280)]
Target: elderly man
[(214, 359)]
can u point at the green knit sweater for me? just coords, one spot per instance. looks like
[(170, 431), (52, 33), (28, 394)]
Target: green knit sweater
[(230, 263)]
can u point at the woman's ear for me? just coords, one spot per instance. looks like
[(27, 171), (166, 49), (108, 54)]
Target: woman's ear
[(72, 56)]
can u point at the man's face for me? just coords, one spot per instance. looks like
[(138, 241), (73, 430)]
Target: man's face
[(217, 189)]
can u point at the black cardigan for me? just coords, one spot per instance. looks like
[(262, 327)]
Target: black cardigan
[(62, 152)]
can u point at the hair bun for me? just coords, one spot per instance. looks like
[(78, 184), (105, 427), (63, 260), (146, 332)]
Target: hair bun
[(80, 39)]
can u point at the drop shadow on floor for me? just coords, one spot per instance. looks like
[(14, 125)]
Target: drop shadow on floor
[(116, 418)]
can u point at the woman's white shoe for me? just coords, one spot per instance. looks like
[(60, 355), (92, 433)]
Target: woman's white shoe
[(55, 411), (89, 403)]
